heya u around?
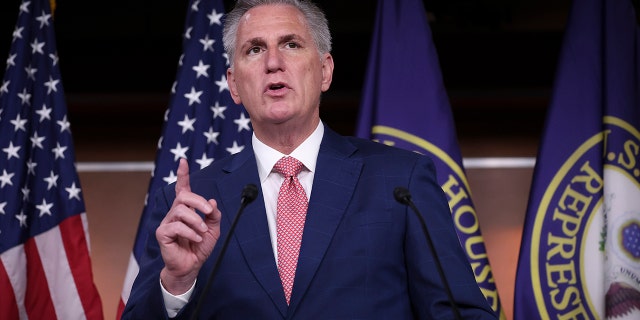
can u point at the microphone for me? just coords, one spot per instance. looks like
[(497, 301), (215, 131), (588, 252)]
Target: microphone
[(403, 196), (249, 193)]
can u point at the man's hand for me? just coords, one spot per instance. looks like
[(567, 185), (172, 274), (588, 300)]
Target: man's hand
[(185, 239)]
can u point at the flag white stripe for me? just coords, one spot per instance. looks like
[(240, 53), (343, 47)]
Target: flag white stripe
[(15, 263), (130, 277), (64, 293), (85, 226)]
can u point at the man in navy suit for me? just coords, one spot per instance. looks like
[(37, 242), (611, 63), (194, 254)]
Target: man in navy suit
[(362, 255)]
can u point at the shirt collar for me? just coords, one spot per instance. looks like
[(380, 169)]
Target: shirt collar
[(307, 153)]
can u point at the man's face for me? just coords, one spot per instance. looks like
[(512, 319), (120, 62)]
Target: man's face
[(278, 73)]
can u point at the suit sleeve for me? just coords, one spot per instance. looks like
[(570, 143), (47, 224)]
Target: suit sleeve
[(428, 296)]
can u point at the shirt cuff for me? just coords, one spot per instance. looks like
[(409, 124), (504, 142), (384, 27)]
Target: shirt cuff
[(172, 303)]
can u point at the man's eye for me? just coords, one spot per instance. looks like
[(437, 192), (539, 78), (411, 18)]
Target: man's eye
[(254, 50), (292, 45)]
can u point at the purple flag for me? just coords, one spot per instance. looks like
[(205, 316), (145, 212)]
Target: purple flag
[(580, 253), (405, 104)]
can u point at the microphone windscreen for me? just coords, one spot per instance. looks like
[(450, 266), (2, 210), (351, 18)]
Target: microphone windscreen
[(249, 193), (402, 195)]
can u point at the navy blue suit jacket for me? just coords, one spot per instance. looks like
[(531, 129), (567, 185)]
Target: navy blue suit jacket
[(363, 255)]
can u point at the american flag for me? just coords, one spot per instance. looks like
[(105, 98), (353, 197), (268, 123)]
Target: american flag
[(202, 122), (45, 269)]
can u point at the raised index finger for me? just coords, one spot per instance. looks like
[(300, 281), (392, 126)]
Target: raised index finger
[(182, 182)]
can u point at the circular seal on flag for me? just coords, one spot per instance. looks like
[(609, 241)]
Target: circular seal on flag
[(585, 247)]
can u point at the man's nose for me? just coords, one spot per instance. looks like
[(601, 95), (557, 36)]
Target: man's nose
[(274, 61)]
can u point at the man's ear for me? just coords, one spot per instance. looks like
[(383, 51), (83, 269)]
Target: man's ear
[(327, 71), (233, 88)]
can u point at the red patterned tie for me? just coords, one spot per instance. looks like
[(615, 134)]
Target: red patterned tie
[(292, 210)]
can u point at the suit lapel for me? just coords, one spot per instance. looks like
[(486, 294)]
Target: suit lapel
[(252, 230), (334, 182)]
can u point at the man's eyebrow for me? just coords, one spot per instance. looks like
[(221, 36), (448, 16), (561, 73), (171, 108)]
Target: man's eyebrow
[(288, 37), (255, 42), (261, 42)]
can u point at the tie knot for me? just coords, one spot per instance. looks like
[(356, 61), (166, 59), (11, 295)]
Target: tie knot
[(288, 166)]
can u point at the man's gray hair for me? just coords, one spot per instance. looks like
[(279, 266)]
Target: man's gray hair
[(315, 18)]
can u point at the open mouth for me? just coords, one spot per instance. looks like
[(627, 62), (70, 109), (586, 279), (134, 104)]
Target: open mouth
[(276, 86)]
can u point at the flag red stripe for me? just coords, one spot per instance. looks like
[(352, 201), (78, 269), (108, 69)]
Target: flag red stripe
[(8, 304), (38, 299), (75, 245)]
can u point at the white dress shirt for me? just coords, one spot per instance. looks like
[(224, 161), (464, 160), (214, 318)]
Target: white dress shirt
[(270, 181)]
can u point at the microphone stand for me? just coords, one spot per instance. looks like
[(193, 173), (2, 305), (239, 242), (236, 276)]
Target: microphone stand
[(249, 193), (403, 196)]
